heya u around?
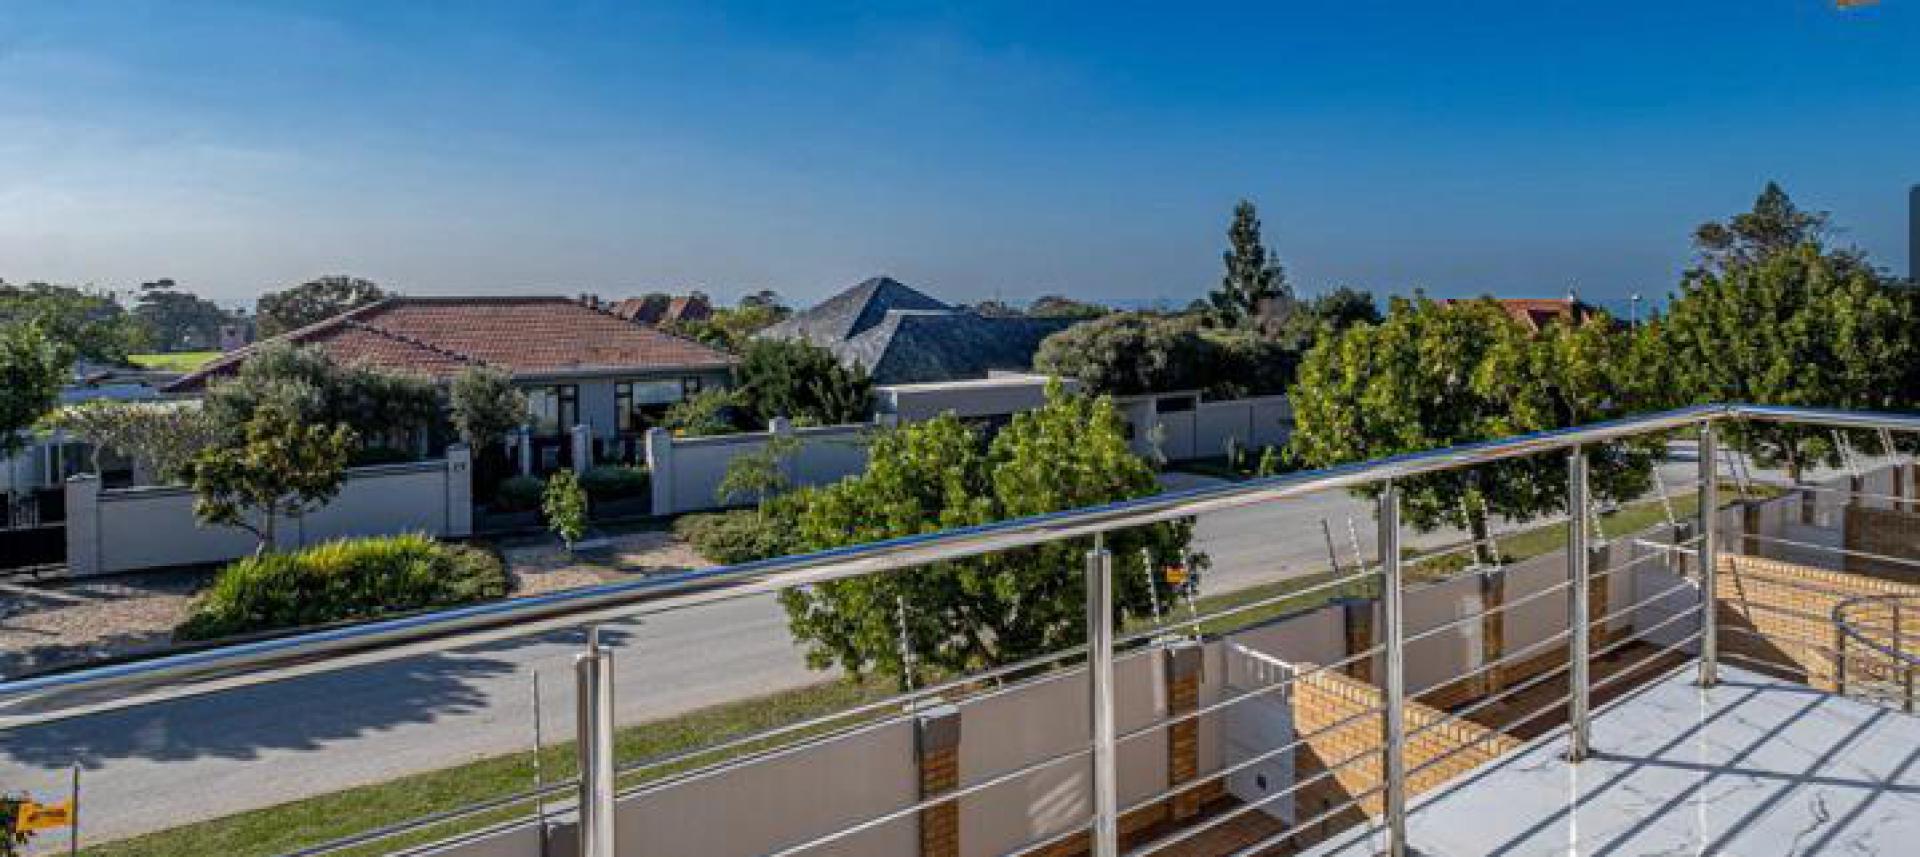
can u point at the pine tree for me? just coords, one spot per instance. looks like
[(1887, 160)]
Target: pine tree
[(1254, 275)]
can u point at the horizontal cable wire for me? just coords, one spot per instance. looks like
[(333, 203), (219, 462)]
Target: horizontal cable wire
[(926, 803), (1174, 624), (1483, 613), (1250, 761), (1900, 560), (1189, 832), (1163, 723), (1264, 844)]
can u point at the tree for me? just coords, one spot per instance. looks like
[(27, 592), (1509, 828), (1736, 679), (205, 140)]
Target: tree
[(286, 467), (486, 407), (1125, 354), (176, 319), (91, 324), (706, 413), (163, 438), (1432, 375), (802, 382), (381, 407), (1328, 314), (1058, 306), (1254, 285), (33, 368), (970, 614), (730, 328), (758, 475), (312, 301), (565, 505), (1803, 327), (1774, 226)]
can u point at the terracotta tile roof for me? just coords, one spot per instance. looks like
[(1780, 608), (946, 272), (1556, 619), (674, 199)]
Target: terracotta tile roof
[(1537, 313), (440, 337)]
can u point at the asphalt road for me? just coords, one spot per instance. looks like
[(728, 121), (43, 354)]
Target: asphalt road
[(173, 763)]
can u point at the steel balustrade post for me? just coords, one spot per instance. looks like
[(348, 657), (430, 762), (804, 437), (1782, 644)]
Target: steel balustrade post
[(1394, 724), (593, 679), (1106, 793), (1901, 663), (1709, 557), (1578, 615)]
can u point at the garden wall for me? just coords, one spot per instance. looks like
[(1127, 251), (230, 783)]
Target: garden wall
[(1191, 428), (687, 470), (128, 529)]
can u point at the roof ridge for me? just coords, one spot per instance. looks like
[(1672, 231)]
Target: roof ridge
[(294, 336), (415, 341)]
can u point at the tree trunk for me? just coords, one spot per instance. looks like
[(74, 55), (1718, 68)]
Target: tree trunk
[(267, 540)]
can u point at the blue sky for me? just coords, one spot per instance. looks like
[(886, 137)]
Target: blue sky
[(973, 149)]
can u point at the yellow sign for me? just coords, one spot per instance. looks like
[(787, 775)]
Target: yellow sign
[(44, 816), (1176, 574)]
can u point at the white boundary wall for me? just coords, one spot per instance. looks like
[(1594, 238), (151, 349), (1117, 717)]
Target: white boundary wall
[(128, 529), (1203, 429), (687, 471)]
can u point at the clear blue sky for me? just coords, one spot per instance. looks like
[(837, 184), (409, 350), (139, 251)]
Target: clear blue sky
[(973, 149)]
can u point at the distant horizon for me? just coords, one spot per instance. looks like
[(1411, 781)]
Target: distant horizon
[(974, 151)]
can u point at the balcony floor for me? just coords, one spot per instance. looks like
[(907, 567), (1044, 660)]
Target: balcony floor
[(1753, 767)]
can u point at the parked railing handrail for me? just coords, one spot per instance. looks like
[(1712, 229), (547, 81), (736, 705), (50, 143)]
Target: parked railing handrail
[(60, 696), (1849, 626)]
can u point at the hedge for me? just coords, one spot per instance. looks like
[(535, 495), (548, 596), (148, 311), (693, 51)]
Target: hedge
[(342, 580), (742, 535)]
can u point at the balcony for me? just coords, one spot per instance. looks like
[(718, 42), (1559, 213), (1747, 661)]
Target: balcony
[(1586, 699)]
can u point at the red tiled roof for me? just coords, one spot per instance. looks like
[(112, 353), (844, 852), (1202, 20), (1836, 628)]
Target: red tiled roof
[(440, 337), (1537, 313)]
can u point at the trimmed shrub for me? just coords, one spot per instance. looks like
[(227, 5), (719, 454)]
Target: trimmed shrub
[(615, 482), (742, 535), (519, 494), (342, 580)]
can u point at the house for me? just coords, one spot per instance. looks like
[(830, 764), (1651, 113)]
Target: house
[(903, 336), (658, 309), (1536, 313), (579, 363)]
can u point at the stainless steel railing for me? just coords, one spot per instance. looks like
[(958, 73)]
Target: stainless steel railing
[(57, 697), (1875, 658)]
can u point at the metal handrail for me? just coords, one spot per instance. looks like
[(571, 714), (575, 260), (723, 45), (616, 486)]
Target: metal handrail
[(56, 697), (1850, 628)]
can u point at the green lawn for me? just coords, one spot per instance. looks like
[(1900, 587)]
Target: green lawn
[(177, 361), (289, 826)]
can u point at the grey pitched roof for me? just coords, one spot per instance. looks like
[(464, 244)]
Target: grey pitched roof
[(853, 312)]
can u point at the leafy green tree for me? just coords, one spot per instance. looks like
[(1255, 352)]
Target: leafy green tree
[(730, 328), (486, 406), (1125, 354), (979, 612), (164, 438), (381, 407), (1804, 327), (802, 382), (91, 324), (565, 506), (285, 467), (1432, 375), (1327, 314), (1254, 284), (178, 320), (1058, 306), (315, 300), (709, 412), (1775, 226), (33, 368)]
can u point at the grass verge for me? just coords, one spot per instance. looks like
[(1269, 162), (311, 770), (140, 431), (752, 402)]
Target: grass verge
[(177, 361)]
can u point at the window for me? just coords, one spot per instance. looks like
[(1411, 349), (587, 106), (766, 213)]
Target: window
[(555, 409), (638, 403)]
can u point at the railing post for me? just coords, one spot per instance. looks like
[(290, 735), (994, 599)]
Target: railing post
[(1106, 800), (1709, 557), (1578, 617), (1394, 726), (1901, 663), (593, 678)]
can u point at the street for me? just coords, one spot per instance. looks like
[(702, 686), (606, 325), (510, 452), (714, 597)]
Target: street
[(170, 764)]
